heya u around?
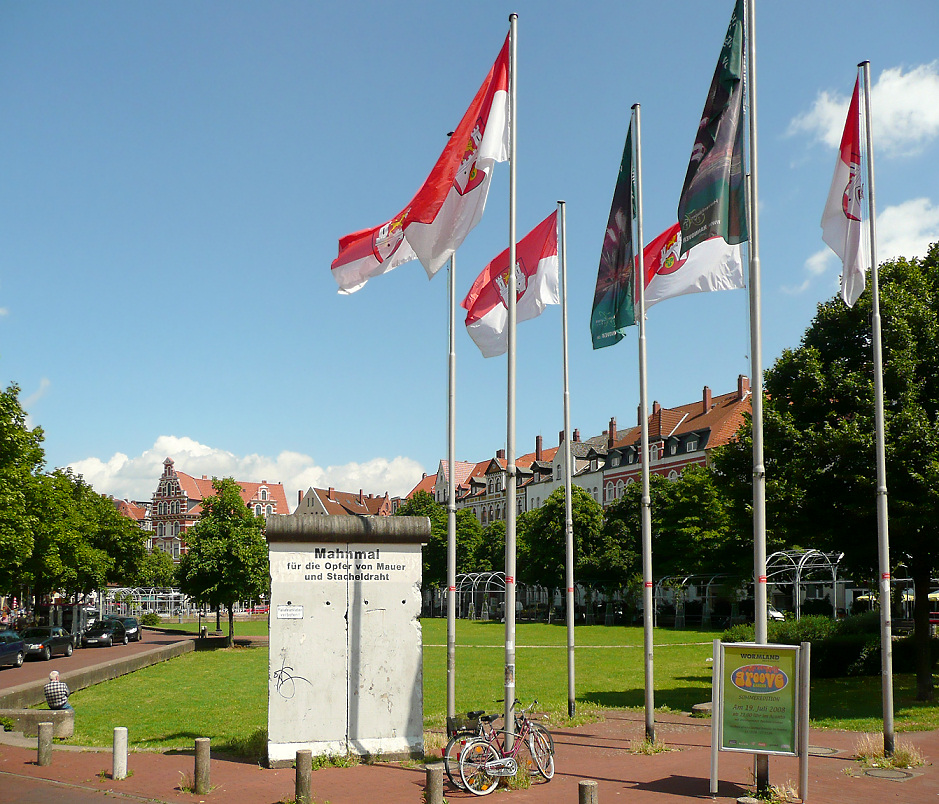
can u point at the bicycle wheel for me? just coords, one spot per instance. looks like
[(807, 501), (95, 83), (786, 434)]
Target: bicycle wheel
[(537, 727), (541, 751), (451, 757), (473, 759)]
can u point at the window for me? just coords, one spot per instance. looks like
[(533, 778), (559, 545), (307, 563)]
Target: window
[(614, 461), (263, 495), (484, 520), (609, 491), (160, 530), (673, 475), (268, 510), (176, 529), (619, 488), (499, 483), (672, 448), (257, 510), (630, 481), (691, 446)]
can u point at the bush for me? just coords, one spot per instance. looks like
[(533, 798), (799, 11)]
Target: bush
[(150, 618)]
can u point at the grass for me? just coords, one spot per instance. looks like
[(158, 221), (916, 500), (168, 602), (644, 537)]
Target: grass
[(222, 694), (253, 627)]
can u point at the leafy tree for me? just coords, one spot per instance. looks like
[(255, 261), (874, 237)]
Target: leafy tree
[(819, 428), (228, 558), (81, 542), (469, 538), (156, 569), (21, 458), (543, 535)]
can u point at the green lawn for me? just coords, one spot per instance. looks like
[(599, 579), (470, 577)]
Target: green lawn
[(223, 694)]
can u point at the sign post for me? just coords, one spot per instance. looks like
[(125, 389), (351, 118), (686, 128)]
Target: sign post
[(760, 703)]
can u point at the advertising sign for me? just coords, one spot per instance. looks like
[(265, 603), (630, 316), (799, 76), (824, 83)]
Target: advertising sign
[(760, 701)]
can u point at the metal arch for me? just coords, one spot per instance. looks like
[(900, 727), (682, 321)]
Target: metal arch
[(793, 567)]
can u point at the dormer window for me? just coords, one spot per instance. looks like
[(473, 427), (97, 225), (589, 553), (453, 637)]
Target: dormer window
[(691, 446), (614, 461), (263, 495)]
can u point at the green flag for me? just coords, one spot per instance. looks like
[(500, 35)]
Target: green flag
[(614, 299), (713, 198)]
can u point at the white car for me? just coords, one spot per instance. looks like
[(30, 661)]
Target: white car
[(775, 614)]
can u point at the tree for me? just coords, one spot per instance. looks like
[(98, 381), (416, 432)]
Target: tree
[(227, 559), (819, 428), (543, 536), (156, 569), (469, 538), (21, 458)]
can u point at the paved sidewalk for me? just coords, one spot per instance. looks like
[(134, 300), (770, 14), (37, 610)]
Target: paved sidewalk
[(599, 751)]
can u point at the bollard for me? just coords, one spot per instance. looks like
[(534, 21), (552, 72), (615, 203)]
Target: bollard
[(304, 793), (119, 754), (433, 785), (201, 782), (587, 792), (44, 747)]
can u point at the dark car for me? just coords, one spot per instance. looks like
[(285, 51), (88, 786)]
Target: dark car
[(46, 641), (12, 649), (104, 634), (134, 634)]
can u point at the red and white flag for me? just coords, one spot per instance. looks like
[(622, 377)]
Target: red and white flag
[(450, 202), (842, 229), (710, 265), (536, 285)]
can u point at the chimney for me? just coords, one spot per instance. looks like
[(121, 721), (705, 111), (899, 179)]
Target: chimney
[(500, 453), (706, 400), (538, 448), (361, 498), (638, 414), (329, 494), (656, 407), (576, 436), (743, 387), (560, 437), (612, 439), (299, 496)]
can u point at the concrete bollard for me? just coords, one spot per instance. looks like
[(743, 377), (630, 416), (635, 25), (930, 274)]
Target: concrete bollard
[(587, 792), (304, 794), (202, 781), (119, 754), (433, 785), (44, 746)]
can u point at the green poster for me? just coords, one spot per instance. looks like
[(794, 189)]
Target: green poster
[(759, 711)]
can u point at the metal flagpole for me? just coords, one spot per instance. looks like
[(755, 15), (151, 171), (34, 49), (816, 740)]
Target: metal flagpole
[(451, 505), (756, 370), (510, 509), (568, 512), (883, 542), (646, 507)]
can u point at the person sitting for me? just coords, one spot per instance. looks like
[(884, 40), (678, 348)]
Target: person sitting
[(57, 692)]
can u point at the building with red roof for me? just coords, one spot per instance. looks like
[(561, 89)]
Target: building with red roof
[(177, 504), (330, 502), (602, 465)]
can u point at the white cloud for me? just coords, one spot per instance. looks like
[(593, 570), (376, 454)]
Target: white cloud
[(4, 311), (907, 230), (818, 263), (905, 112), (39, 393), (136, 478)]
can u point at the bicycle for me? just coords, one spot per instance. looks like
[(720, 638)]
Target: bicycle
[(458, 740), (485, 759)]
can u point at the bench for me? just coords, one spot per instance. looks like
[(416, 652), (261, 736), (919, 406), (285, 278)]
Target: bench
[(28, 720)]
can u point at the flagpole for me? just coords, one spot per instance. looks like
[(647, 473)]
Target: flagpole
[(646, 506), (568, 509), (883, 541), (510, 508), (756, 370), (451, 504)]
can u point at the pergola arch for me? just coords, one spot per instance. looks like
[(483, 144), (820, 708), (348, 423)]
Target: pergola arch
[(796, 568)]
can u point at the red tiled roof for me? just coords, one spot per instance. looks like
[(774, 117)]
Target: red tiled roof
[(200, 488), (426, 483), (346, 503), (130, 509)]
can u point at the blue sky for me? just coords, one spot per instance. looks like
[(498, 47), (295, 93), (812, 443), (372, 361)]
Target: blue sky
[(175, 178)]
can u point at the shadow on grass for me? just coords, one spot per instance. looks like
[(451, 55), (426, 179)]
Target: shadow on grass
[(680, 699)]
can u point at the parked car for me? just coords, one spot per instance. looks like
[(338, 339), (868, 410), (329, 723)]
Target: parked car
[(105, 633), (47, 641), (12, 649), (775, 614), (134, 633)]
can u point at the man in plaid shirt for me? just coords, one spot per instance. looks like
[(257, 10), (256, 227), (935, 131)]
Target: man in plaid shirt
[(57, 692)]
